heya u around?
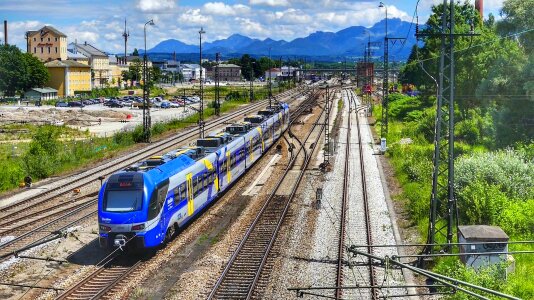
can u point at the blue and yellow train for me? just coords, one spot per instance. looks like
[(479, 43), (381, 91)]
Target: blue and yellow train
[(143, 205)]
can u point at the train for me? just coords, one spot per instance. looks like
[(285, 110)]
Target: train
[(143, 205)]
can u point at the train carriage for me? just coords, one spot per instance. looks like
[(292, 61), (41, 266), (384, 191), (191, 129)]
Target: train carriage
[(144, 204)]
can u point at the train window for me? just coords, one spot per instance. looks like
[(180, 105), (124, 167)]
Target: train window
[(157, 201), (199, 183), (177, 195), (205, 180), (183, 191), (162, 195)]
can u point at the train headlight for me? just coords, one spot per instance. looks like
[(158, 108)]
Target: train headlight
[(105, 228), (138, 227)]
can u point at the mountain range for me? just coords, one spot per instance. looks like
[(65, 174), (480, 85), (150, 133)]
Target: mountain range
[(350, 41)]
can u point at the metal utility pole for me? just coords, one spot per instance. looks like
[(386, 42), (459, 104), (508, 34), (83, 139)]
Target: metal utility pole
[(125, 35), (281, 75), (201, 109), (326, 153), (217, 79), (385, 80), (146, 103), (270, 81), (443, 210)]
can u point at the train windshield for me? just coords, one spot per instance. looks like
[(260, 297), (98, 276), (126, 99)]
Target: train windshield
[(123, 200)]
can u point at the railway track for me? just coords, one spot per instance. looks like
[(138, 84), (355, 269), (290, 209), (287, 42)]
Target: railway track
[(367, 218), (49, 217), (100, 281), (240, 277), (343, 217)]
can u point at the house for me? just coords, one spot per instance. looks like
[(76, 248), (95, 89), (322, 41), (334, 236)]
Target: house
[(98, 60), (288, 72), (47, 44), (40, 94), (273, 73), (79, 57), (227, 72), (192, 71), (69, 77)]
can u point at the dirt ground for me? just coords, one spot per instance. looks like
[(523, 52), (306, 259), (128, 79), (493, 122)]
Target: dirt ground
[(97, 119)]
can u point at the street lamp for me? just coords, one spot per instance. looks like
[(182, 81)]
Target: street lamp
[(201, 110), (252, 81), (385, 83), (146, 108)]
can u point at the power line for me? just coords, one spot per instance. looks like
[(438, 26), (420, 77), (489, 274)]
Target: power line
[(473, 46)]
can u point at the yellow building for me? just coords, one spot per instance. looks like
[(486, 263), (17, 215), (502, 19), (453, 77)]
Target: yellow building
[(69, 76), (47, 44)]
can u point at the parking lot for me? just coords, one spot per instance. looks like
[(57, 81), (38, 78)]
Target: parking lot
[(98, 119)]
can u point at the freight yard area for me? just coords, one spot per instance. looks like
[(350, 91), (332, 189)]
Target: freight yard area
[(184, 150)]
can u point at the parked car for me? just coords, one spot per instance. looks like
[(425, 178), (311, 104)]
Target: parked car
[(165, 104), (62, 104), (87, 102), (76, 104), (115, 104), (175, 105)]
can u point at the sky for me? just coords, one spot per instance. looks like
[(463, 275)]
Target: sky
[(101, 22)]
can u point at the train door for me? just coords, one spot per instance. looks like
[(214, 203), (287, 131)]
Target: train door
[(190, 194)]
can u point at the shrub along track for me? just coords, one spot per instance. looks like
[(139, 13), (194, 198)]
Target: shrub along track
[(51, 217), (114, 272)]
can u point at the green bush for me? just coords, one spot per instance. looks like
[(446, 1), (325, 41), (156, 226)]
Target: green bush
[(491, 277), (401, 105), (508, 169)]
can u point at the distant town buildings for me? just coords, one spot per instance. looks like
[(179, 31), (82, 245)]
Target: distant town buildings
[(47, 44), (227, 72), (50, 45)]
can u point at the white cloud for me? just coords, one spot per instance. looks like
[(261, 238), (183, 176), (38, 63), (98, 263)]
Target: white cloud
[(83, 36), (251, 27), (269, 2), (221, 9), (155, 5), (193, 17)]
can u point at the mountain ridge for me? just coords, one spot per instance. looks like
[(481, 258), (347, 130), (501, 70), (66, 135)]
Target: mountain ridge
[(348, 41)]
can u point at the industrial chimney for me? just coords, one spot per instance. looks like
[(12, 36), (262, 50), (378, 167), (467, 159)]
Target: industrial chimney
[(479, 5), (5, 32)]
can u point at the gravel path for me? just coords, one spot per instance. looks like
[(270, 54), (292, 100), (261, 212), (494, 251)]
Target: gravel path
[(309, 253)]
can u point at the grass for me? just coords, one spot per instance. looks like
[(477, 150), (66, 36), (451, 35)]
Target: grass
[(412, 163)]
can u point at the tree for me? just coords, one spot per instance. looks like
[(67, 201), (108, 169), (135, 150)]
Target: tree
[(13, 71), (135, 52), (517, 17), (154, 75), (37, 73), (135, 69), (126, 77)]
